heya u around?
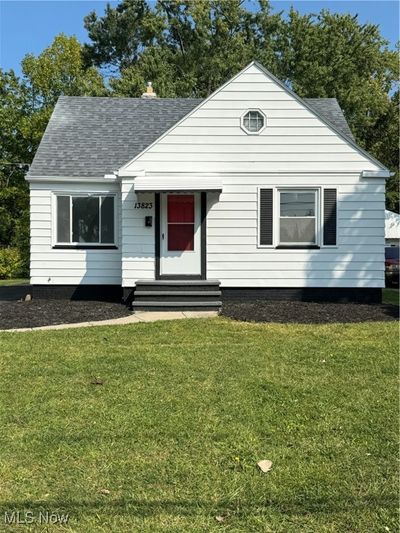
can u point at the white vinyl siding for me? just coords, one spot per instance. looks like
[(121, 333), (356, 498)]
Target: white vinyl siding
[(138, 244), (356, 261), (211, 139), (233, 254), (53, 266)]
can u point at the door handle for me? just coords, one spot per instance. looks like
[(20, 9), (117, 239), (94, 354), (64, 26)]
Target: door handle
[(162, 236)]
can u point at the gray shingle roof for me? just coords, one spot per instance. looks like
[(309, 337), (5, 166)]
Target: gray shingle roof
[(330, 110), (93, 136)]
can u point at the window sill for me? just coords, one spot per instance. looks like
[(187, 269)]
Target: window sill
[(85, 247), (298, 247)]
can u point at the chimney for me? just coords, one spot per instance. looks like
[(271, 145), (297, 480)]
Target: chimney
[(150, 93)]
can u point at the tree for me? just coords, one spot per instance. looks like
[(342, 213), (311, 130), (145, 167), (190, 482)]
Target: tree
[(118, 38), (332, 55), (384, 143), (188, 48), (15, 144), (26, 104)]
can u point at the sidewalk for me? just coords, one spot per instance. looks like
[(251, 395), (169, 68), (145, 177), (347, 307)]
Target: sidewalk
[(141, 316)]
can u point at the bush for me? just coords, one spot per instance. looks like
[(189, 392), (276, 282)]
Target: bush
[(14, 203), (11, 263), (21, 241)]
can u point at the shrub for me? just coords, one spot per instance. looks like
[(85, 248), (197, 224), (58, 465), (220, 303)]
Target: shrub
[(21, 241), (14, 202), (11, 263)]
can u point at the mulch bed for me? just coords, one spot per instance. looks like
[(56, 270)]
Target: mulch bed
[(48, 312), (308, 312)]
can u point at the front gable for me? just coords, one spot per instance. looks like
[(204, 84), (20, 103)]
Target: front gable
[(211, 139)]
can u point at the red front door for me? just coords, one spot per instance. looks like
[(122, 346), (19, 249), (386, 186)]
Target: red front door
[(180, 234)]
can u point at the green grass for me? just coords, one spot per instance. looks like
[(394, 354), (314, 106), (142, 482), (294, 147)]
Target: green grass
[(390, 296), (12, 282), (186, 410)]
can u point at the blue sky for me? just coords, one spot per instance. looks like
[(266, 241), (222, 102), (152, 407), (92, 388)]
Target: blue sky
[(30, 25)]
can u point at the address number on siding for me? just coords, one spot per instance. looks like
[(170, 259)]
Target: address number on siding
[(143, 205)]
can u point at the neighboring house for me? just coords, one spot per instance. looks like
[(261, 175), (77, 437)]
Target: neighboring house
[(253, 192), (392, 228)]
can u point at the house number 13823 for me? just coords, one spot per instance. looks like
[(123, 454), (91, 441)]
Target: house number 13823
[(143, 205)]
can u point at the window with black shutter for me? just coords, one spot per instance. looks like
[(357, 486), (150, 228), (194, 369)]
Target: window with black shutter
[(330, 217), (266, 215)]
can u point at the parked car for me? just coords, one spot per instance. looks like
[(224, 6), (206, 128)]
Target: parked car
[(392, 264)]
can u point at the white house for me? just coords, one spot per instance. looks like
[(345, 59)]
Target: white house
[(250, 193), (392, 228)]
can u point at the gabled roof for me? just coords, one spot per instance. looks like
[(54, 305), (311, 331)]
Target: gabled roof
[(93, 136), (330, 110)]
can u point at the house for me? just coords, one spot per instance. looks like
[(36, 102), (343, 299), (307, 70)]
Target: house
[(392, 228), (253, 192)]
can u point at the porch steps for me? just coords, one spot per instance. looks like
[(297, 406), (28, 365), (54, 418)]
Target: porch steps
[(177, 295)]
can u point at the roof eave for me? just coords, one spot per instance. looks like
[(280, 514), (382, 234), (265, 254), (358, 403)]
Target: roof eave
[(376, 173)]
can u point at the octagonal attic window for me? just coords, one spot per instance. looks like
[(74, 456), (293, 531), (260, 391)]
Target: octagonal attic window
[(253, 121)]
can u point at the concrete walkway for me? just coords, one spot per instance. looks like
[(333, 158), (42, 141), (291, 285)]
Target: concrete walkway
[(141, 316)]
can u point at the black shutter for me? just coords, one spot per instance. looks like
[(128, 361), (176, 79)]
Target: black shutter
[(266, 217), (330, 216)]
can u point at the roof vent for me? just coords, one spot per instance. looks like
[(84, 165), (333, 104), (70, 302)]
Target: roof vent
[(150, 93)]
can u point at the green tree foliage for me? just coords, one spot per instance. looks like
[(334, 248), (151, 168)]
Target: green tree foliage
[(15, 144), (384, 143), (186, 49), (119, 38), (26, 104), (332, 55), (13, 202)]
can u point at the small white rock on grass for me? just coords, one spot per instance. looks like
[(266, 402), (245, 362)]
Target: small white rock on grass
[(264, 465)]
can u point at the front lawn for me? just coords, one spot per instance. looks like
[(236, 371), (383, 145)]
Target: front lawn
[(172, 417), (13, 282), (390, 296)]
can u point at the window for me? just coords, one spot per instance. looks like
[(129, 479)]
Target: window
[(298, 217), (253, 121), (85, 220)]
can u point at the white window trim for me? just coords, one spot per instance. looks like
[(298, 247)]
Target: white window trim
[(85, 245), (253, 132), (317, 216), (276, 217)]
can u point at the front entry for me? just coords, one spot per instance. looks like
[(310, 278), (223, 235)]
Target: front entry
[(180, 234)]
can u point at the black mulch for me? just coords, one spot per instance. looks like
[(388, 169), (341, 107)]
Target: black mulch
[(48, 312), (308, 312)]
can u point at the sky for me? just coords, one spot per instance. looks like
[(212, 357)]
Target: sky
[(29, 26)]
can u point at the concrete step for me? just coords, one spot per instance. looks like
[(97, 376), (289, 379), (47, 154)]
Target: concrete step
[(185, 293), (178, 282), (212, 305), (177, 285)]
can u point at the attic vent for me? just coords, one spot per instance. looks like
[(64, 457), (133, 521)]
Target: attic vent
[(150, 93)]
